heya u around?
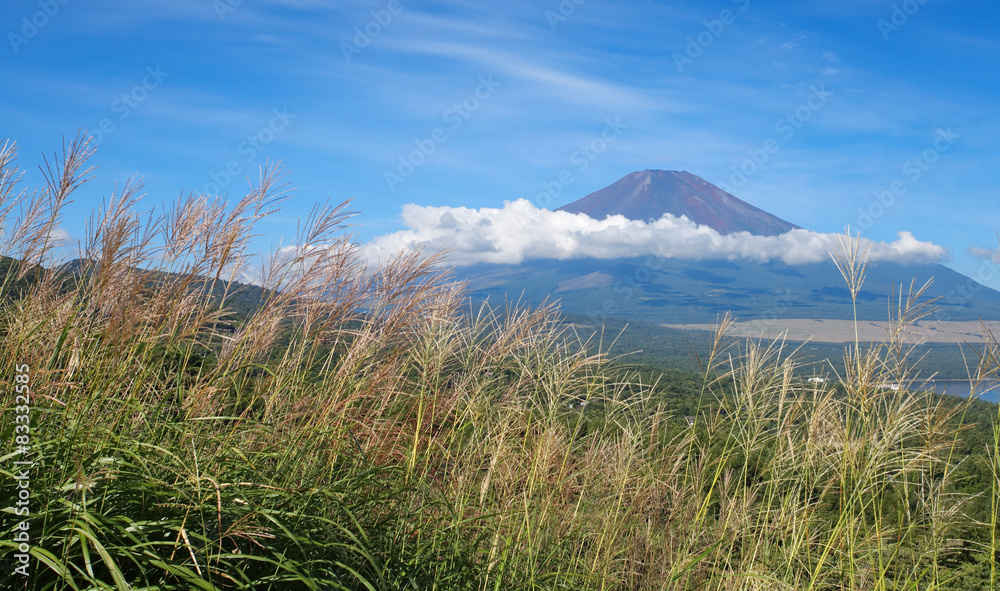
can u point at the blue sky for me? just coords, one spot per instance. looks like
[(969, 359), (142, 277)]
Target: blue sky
[(823, 105)]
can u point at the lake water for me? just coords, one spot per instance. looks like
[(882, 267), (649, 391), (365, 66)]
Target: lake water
[(988, 390)]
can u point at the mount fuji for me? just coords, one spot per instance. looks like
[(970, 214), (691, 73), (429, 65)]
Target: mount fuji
[(663, 290)]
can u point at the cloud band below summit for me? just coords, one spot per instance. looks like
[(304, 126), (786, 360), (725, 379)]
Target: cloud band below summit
[(520, 231)]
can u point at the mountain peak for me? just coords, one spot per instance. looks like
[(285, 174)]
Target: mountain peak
[(649, 193)]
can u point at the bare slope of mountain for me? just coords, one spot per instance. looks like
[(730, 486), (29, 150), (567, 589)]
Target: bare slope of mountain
[(652, 193), (676, 291)]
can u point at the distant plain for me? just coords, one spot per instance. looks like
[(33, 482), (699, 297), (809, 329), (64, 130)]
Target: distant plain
[(842, 331)]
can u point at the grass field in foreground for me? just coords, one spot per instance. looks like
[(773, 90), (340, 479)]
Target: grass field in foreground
[(359, 431)]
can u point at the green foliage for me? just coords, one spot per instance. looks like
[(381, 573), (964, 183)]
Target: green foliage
[(348, 427)]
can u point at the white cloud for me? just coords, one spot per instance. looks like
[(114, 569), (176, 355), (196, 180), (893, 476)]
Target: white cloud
[(520, 231), (58, 236), (985, 253)]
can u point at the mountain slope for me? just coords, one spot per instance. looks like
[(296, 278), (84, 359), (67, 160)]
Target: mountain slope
[(682, 291), (675, 291), (652, 193)]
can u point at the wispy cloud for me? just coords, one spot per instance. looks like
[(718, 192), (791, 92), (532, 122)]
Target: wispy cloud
[(558, 81), (992, 255)]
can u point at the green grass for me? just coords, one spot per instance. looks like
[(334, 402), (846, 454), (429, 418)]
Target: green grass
[(360, 429)]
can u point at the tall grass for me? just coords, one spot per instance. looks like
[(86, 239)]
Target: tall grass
[(362, 430)]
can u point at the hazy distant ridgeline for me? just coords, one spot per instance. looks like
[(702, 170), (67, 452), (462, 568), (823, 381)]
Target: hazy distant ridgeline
[(676, 291)]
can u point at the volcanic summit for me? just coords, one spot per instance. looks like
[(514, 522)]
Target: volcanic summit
[(649, 194)]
